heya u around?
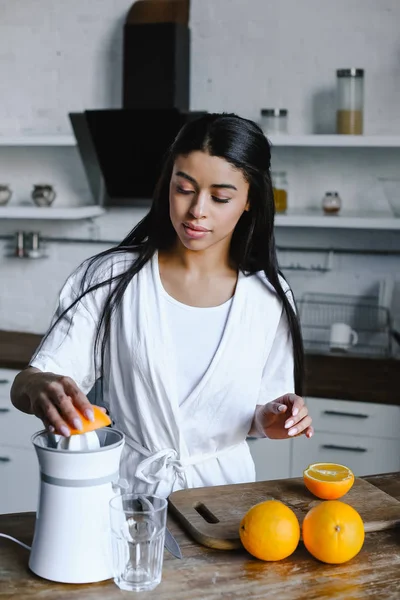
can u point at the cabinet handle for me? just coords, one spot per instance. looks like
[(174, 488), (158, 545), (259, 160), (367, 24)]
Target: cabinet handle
[(4, 381), (338, 413), (4, 410), (5, 459), (346, 448)]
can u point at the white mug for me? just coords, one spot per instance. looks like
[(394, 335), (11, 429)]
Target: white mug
[(342, 337)]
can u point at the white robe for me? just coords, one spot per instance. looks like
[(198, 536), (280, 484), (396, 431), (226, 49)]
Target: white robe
[(203, 441)]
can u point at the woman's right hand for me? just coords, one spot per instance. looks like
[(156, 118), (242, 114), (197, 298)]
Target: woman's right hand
[(54, 399)]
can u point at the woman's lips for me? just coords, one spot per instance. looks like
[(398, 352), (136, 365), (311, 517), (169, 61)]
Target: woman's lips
[(195, 232)]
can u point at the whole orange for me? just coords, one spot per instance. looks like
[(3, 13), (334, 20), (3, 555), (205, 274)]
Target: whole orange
[(333, 532), (270, 530), (328, 481)]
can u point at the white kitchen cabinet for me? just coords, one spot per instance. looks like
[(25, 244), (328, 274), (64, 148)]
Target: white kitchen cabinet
[(19, 471), (363, 436), (355, 418), (6, 380), (16, 427), (19, 479), (271, 458)]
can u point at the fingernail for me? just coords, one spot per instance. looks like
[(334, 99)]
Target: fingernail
[(51, 428), (77, 424), (281, 407), (292, 431), (295, 411), (64, 431), (289, 424), (89, 414), (310, 435)]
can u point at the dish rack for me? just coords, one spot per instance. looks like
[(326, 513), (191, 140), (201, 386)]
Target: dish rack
[(371, 322)]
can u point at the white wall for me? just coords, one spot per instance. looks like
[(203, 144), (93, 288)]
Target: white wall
[(58, 57)]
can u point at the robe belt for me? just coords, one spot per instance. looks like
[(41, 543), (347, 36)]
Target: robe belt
[(165, 465)]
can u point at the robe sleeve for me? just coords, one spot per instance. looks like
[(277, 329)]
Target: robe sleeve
[(278, 373), (69, 347)]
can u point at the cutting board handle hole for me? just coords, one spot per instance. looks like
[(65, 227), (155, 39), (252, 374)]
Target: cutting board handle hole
[(205, 513)]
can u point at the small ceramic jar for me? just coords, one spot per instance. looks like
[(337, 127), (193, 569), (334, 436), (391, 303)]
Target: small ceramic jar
[(43, 194), (331, 203), (5, 194)]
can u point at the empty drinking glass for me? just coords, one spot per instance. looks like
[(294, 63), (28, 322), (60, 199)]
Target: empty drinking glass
[(138, 525)]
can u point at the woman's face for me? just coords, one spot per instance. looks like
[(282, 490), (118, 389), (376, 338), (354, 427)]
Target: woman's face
[(207, 198)]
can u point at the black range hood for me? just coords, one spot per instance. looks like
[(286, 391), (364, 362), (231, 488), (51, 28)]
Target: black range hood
[(122, 150)]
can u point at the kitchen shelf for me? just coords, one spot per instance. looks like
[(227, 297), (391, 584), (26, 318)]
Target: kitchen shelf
[(316, 140), (372, 221), (38, 140), (50, 213), (338, 141)]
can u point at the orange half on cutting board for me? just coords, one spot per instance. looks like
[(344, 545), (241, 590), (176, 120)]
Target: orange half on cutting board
[(101, 419), (328, 481)]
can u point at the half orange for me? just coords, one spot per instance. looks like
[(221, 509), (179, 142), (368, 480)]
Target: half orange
[(101, 419), (328, 481)]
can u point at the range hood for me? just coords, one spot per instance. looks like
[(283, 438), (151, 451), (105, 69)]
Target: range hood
[(122, 150)]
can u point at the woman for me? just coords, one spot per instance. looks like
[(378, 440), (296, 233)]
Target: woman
[(187, 323)]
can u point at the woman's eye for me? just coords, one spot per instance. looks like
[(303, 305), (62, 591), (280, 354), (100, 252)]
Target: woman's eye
[(183, 190), (221, 200)]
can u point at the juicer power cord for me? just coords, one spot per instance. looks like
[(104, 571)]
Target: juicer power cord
[(4, 535)]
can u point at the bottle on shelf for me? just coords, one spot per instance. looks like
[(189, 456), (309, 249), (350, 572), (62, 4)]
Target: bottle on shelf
[(350, 101), (280, 189)]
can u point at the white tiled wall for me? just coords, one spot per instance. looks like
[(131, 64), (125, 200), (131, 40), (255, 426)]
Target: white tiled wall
[(58, 57)]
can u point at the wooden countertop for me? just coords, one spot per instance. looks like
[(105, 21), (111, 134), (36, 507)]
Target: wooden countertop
[(213, 574), (342, 377)]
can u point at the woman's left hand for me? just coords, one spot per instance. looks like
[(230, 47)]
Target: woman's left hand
[(284, 417)]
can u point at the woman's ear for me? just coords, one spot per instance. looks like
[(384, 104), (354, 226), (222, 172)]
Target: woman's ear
[(247, 207)]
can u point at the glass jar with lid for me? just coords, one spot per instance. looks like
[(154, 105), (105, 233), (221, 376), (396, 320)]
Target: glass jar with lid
[(274, 121), (331, 203), (280, 189), (350, 101)]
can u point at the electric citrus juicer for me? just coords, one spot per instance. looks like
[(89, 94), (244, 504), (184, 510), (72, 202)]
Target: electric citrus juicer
[(79, 476)]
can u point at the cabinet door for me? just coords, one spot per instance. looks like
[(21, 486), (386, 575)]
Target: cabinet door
[(363, 455), (271, 458), (16, 427), (19, 479)]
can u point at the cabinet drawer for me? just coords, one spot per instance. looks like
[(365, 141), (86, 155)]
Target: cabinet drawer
[(16, 427), (7, 377), (19, 479), (363, 455), (271, 458), (355, 418)]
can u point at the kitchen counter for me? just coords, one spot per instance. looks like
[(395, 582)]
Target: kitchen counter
[(353, 378), (342, 377), (17, 348), (212, 574)]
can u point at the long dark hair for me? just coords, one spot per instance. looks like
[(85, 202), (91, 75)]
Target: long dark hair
[(243, 144)]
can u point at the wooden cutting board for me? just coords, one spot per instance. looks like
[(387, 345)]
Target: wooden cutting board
[(211, 515)]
